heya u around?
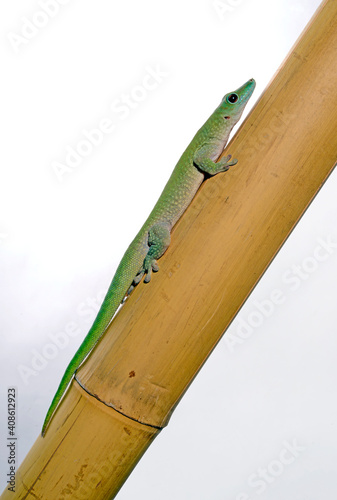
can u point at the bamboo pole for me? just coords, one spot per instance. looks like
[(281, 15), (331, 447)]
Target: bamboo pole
[(126, 391)]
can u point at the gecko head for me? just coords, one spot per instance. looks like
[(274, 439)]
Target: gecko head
[(233, 104)]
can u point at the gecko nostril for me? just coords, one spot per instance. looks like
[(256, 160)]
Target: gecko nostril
[(226, 117)]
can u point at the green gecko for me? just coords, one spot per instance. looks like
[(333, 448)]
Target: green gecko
[(198, 162)]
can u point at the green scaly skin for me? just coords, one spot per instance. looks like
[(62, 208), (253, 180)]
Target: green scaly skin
[(154, 237)]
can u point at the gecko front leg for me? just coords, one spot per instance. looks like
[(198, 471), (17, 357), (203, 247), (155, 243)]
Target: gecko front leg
[(202, 160)]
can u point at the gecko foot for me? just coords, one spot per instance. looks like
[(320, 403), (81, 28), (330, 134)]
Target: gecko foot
[(226, 162), (150, 264)]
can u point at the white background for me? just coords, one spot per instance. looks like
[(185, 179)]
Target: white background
[(61, 238)]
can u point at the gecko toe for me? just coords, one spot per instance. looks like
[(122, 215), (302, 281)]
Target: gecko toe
[(155, 267), (147, 278), (137, 279)]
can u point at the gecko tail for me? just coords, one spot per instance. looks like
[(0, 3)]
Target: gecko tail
[(97, 330), (110, 305), (118, 290), (66, 379)]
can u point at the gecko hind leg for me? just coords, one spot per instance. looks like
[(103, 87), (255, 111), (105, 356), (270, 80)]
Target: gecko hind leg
[(159, 238)]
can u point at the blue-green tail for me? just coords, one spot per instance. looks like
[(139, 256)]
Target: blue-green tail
[(123, 278)]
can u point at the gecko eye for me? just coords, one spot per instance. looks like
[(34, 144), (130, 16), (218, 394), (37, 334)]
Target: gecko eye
[(232, 98)]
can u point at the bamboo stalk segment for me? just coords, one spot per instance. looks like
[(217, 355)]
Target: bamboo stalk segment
[(89, 464), (127, 389)]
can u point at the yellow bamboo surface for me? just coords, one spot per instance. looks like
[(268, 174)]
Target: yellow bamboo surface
[(163, 334)]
